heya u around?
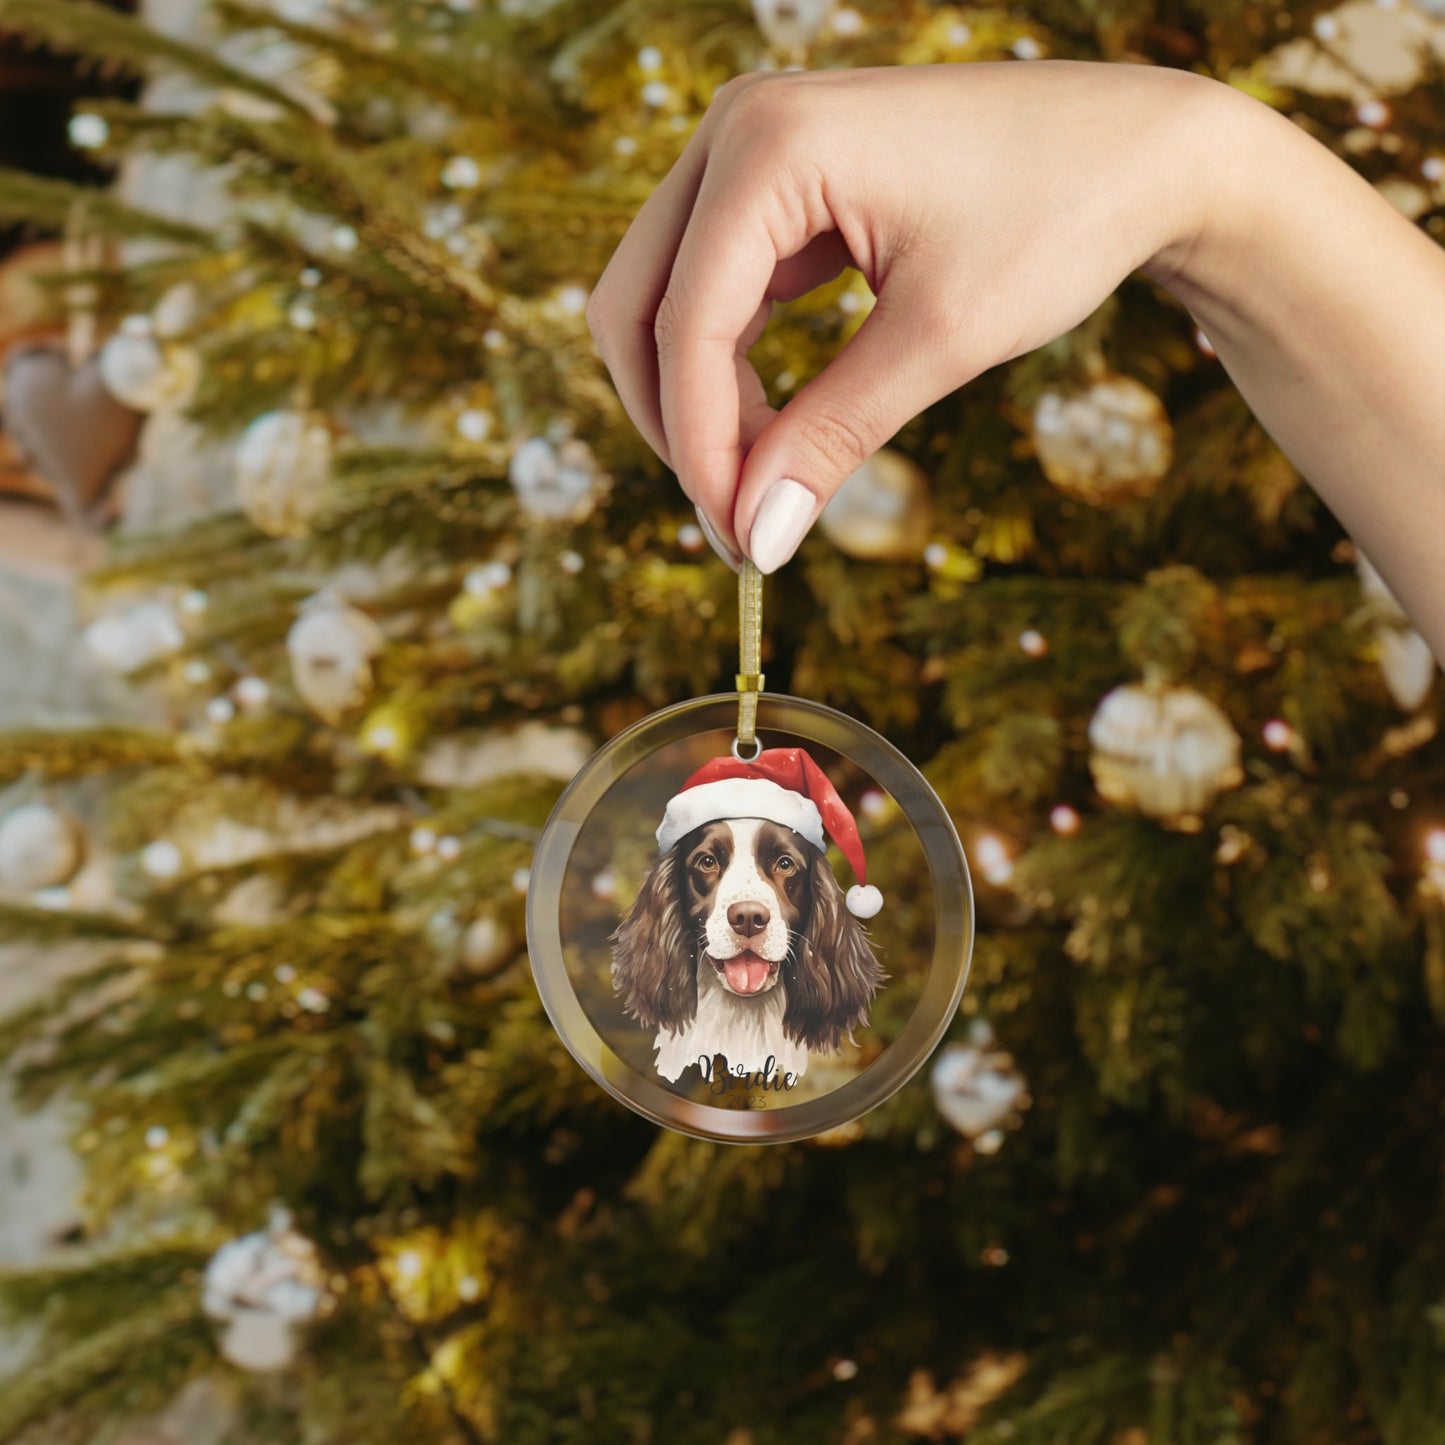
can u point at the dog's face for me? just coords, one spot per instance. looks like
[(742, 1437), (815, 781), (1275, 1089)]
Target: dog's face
[(746, 893)]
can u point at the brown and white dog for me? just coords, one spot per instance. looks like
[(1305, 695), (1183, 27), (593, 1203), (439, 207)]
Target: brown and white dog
[(740, 941)]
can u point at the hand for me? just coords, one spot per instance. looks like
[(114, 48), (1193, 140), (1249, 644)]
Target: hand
[(990, 207)]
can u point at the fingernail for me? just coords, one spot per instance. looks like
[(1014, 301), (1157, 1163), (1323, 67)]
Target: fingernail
[(781, 524), (716, 542)]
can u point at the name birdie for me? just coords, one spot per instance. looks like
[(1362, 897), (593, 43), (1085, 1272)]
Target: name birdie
[(725, 1080)]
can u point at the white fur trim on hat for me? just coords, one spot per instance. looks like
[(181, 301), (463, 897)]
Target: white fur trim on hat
[(863, 900), (739, 798)]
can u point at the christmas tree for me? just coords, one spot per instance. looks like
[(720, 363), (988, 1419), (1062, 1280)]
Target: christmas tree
[(1176, 1175)]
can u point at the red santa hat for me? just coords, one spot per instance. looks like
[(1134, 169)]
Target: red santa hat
[(785, 786)]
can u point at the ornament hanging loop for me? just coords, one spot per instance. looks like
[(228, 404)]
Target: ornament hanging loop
[(750, 659)]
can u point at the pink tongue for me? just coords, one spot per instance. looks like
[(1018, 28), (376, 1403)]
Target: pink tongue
[(746, 973)]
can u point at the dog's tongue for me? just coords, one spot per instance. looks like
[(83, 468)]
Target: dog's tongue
[(747, 973)]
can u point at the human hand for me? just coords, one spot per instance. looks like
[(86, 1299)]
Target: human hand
[(990, 207)]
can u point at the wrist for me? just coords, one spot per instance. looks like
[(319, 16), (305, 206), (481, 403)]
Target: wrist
[(1215, 151), (1228, 142)]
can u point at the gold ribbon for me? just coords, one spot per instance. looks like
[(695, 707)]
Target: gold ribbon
[(750, 656)]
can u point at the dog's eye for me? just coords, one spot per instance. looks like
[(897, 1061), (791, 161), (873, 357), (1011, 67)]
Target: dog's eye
[(785, 864), (706, 862)]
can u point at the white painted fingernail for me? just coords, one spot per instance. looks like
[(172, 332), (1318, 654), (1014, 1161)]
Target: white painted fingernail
[(782, 522), (716, 542)]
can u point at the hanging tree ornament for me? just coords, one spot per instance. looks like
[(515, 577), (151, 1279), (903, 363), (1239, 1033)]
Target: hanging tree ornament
[(143, 371), (283, 470), (1406, 662), (882, 512), (723, 979), (1167, 751), (331, 647), (555, 481), (263, 1287), (1108, 443), (40, 847), (978, 1089), (136, 636), (791, 26)]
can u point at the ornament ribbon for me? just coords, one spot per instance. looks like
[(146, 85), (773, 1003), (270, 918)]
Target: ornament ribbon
[(750, 648)]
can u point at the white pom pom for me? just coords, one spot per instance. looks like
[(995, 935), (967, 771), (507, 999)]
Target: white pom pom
[(864, 900)]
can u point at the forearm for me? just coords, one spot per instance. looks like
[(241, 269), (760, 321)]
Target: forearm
[(1327, 309)]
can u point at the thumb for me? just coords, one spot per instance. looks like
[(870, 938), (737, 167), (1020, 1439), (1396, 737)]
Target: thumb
[(903, 358)]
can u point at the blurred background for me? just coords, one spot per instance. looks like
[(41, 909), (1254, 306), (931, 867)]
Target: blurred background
[(327, 557)]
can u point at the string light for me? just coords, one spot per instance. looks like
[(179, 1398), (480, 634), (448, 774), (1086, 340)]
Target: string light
[(88, 132), (461, 173), (490, 577), (423, 840), (252, 692), (1033, 642), (993, 859), (873, 804), (474, 425), (161, 859), (1373, 113), (1278, 735), (1064, 820), (1435, 846)]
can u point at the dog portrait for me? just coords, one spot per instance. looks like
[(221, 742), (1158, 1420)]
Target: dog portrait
[(741, 943)]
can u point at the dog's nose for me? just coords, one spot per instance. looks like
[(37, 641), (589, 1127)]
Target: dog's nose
[(747, 919)]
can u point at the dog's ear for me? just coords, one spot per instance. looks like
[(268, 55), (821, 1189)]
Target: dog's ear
[(654, 968), (834, 974)]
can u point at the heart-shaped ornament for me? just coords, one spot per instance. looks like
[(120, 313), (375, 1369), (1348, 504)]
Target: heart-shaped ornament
[(69, 427)]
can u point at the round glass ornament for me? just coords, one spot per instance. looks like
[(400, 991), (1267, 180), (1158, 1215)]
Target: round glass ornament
[(702, 939)]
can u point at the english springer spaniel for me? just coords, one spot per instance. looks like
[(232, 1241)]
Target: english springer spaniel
[(739, 943)]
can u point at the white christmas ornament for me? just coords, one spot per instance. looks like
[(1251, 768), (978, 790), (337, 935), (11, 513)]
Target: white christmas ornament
[(283, 470), (263, 1287), (1405, 658), (1165, 751), (881, 512), (331, 647), (141, 634), (792, 25), (147, 374), (40, 847), (976, 1086), (554, 482), (486, 945), (1108, 443)]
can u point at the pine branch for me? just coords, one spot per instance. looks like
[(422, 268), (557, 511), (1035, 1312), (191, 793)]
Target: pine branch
[(121, 41), (134, 1362), (51, 204), (506, 90), (60, 753)]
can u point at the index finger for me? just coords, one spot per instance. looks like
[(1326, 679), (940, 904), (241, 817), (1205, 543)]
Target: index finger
[(622, 310)]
